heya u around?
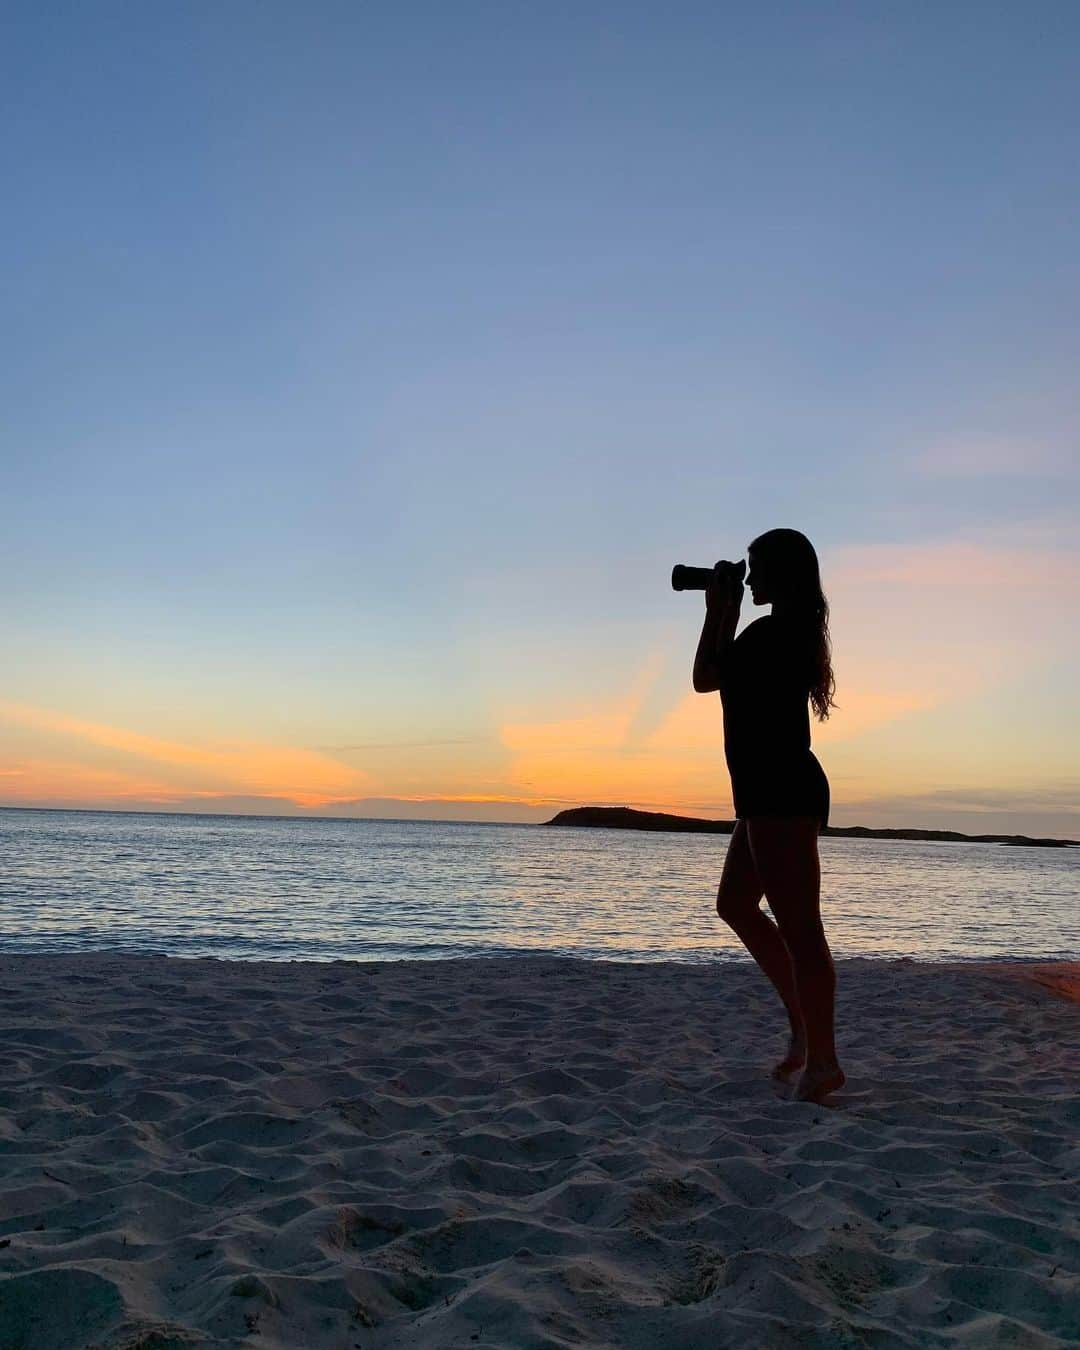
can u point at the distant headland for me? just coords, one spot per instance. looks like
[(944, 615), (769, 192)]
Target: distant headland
[(625, 818)]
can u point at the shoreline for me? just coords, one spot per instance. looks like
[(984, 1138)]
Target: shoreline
[(515, 1150), (1051, 972)]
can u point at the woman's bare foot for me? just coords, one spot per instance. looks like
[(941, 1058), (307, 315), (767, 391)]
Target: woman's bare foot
[(794, 1059), (818, 1081)]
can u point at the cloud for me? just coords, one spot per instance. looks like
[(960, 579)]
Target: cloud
[(1052, 797), (951, 568), (598, 754), (947, 619), (461, 808), (173, 768), (396, 745), (42, 781), (994, 456), (587, 725), (72, 794)]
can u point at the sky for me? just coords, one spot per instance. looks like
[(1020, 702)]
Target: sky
[(367, 368)]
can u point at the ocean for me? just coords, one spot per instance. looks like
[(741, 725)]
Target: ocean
[(278, 888)]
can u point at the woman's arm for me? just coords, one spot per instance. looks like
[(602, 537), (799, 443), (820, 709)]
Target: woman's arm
[(723, 599)]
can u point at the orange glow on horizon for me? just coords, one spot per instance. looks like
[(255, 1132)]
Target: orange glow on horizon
[(305, 777), (919, 632)]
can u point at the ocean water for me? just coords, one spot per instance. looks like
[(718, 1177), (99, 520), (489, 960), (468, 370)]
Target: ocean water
[(243, 887)]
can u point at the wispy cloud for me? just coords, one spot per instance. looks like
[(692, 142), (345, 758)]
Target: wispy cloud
[(991, 456), (944, 619), (122, 794), (302, 775), (1058, 797), (397, 745), (951, 567)]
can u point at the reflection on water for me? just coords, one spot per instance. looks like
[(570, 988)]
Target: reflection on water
[(248, 887)]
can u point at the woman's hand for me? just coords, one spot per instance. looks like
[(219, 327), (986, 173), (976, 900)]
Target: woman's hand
[(724, 593), (723, 596)]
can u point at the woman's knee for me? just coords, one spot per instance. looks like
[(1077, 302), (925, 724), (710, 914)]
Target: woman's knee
[(740, 889), (735, 904), (806, 941)]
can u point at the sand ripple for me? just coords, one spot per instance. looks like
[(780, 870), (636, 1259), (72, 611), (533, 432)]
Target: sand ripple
[(529, 1153)]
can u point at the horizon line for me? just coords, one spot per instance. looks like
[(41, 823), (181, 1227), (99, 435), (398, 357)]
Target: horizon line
[(434, 820)]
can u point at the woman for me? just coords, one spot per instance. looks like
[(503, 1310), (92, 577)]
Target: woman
[(765, 678)]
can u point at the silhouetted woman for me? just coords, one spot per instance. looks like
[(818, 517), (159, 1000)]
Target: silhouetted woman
[(766, 678)]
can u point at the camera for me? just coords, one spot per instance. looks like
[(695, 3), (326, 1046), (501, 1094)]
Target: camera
[(685, 578)]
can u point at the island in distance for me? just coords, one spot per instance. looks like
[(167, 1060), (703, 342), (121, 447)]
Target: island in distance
[(625, 818)]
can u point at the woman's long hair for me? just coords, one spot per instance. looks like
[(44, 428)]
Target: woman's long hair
[(791, 566)]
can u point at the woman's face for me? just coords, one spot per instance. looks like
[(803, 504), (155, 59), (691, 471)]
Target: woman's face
[(757, 581)]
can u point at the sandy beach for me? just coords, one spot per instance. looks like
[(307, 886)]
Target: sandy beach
[(531, 1153)]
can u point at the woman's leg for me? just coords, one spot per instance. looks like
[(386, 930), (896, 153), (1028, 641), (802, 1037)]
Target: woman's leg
[(737, 903), (785, 853)]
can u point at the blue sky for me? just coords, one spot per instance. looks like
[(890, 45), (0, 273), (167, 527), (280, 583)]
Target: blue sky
[(367, 368)]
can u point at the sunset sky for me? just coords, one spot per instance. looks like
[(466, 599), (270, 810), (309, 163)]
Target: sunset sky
[(367, 367)]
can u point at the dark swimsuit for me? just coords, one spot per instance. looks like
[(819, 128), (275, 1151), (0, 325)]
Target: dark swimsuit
[(765, 690)]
